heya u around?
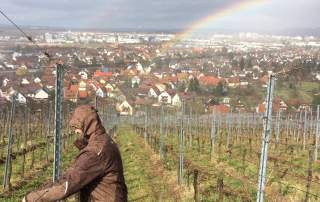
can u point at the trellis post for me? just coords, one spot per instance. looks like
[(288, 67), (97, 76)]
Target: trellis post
[(8, 166), (57, 137), (267, 121)]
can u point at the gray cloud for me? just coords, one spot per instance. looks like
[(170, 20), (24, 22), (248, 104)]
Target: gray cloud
[(161, 14)]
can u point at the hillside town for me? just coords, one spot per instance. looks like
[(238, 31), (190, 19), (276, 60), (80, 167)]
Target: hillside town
[(171, 100), (224, 73)]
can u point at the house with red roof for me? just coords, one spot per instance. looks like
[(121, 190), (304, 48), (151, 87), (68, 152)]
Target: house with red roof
[(102, 75), (277, 105), (299, 104), (209, 81), (169, 79), (71, 93), (82, 94), (220, 108)]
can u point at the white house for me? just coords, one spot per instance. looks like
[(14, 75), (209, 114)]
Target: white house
[(283, 105), (109, 87), (233, 82), (110, 90), (135, 81), (244, 82), (256, 67), (140, 69), (176, 101), (41, 94), (164, 98), (9, 66), (125, 108), (15, 55), (152, 93), (100, 93), (226, 100), (83, 75), (172, 86), (25, 81), (37, 80), (111, 94), (161, 87), (5, 82), (148, 70), (102, 81), (19, 97)]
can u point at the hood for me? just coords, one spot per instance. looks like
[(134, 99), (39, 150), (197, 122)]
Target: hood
[(86, 118)]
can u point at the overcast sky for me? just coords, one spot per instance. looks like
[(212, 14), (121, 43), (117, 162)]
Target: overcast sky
[(161, 14)]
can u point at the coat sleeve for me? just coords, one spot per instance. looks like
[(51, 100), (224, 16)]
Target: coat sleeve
[(87, 167)]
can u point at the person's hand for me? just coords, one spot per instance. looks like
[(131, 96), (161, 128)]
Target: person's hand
[(34, 196)]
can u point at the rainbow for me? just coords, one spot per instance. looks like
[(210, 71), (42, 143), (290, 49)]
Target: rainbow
[(215, 15)]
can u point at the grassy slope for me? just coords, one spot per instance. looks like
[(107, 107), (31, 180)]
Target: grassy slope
[(145, 177), (304, 91)]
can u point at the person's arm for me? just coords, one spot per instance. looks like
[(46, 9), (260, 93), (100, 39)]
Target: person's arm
[(87, 167)]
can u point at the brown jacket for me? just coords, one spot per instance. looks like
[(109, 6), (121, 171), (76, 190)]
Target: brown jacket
[(96, 171)]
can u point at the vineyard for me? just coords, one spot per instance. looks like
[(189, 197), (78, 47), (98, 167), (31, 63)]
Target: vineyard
[(172, 154), (218, 155)]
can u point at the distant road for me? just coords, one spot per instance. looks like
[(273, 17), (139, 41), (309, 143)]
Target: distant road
[(7, 71), (14, 71)]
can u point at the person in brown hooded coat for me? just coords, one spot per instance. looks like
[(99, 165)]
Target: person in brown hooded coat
[(96, 172)]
